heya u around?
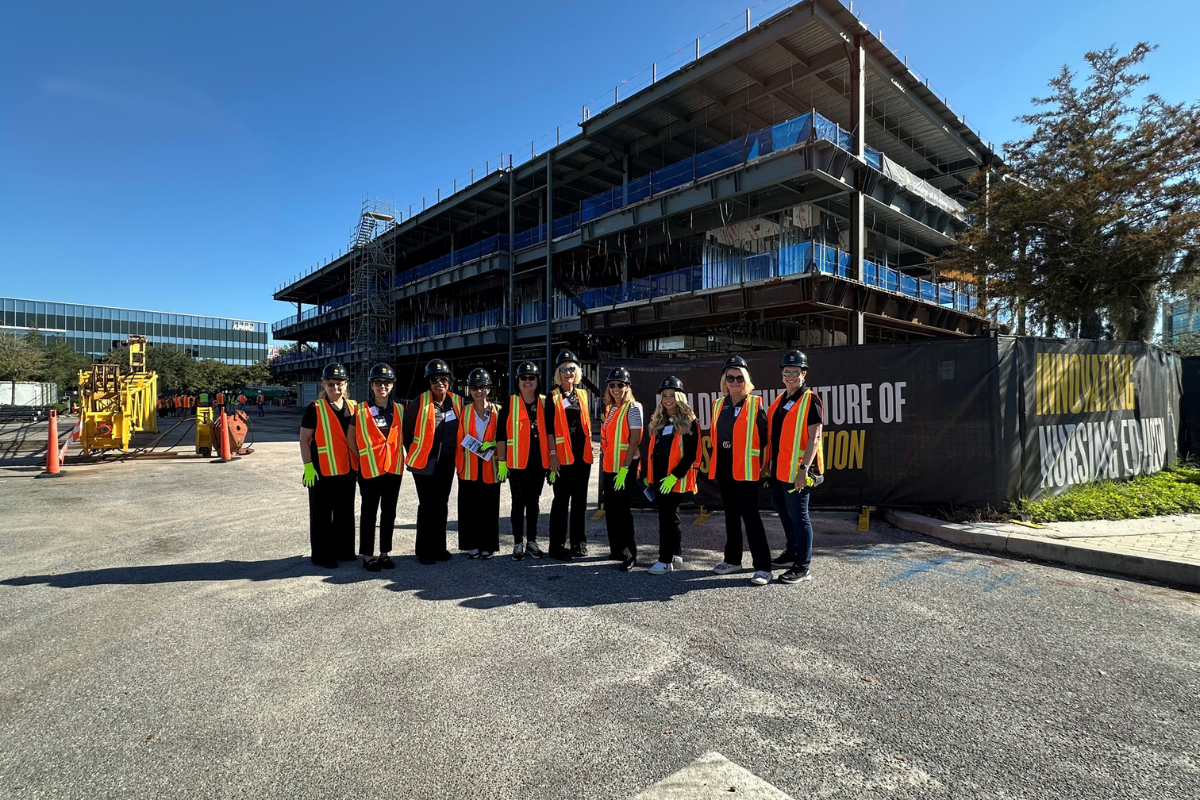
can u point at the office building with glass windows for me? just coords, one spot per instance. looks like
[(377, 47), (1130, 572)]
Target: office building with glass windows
[(91, 330)]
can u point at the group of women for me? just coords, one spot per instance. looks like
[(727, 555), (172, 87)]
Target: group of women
[(538, 437)]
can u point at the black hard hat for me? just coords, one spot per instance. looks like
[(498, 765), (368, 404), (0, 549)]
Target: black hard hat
[(565, 356), (619, 374), (528, 368), (671, 382), (479, 378), (334, 372), (794, 358), (437, 368), (735, 361), (383, 371)]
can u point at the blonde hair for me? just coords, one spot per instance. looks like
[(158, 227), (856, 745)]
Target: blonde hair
[(345, 391), (682, 419), (749, 384), (558, 375), (627, 398)]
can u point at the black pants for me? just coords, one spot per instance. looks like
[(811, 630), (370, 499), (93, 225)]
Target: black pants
[(670, 535), (618, 517), (478, 516), (433, 507), (570, 493), (526, 487), (331, 517), (740, 499), (379, 494)]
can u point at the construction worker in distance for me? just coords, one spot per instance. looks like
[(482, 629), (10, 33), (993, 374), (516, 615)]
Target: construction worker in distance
[(380, 467), (524, 452), (202, 399), (220, 401), (329, 469), (739, 436), (671, 468), (620, 444), (431, 441), (241, 401), (478, 481), (261, 401), (570, 432), (796, 464)]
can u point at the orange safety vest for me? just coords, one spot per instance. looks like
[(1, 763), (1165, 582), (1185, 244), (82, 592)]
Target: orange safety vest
[(470, 466), (793, 438), (241, 399), (747, 449), (220, 398), (422, 443), (519, 431), (377, 455), (261, 398), (562, 436), (333, 452), (688, 484), (614, 438)]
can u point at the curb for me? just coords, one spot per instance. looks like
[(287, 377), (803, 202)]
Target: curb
[(1020, 545)]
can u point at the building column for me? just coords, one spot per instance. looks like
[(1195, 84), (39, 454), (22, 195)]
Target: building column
[(512, 266), (858, 117), (549, 259)]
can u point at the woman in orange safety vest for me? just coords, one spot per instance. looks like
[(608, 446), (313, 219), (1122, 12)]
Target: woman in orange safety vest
[(329, 469), (620, 438), (431, 440), (796, 463), (523, 448), (478, 481), (377, 437), (738, 432), (569, 419), (671, 467)]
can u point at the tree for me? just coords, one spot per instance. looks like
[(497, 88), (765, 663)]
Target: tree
[(62, 365), (21, 357), (1096, 213)]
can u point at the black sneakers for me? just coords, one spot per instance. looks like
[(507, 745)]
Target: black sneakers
[(628, 564), (532, 549), (786, 557), (795, 575), (386, 562), (371, 564), (579, 550)]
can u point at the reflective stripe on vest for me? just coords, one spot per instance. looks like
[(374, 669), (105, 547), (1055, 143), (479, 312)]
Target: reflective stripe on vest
[(470, 466), (562, 434), (793, 438), (614, 439), (377, 455), (519, 432), (333, 453), (688, 484), (747, 450), (422, 443)]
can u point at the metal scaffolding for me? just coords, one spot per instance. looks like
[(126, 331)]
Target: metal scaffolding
[(371, 275)]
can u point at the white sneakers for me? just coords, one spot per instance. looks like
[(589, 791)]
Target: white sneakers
[(761, 578), (660, 568), (727, 569), (677, 562)]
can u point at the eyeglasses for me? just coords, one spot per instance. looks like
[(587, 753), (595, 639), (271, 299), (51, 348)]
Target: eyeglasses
[(617, 385), (735, 379), (793, 373), (566, 370)]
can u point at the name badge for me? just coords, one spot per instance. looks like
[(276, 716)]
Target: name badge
[(788, 405), (374, 411), (668, 429), (380, 422), (450, 416), (737, 411), (567, 403)]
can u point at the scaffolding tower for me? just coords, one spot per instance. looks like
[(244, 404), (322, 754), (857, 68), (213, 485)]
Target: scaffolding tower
[(371, 275)]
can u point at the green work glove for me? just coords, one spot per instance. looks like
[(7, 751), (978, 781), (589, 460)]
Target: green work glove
[(619, 483), (646, 481), (668, 484), (487, 446), (502, 471), (553, 477), (310, 475)]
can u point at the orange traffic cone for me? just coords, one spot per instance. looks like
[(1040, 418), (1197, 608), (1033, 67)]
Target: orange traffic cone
[(53, 469), (224, 437)]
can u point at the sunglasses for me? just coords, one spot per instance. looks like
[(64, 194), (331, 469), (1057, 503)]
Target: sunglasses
[(735, 379), (439, 380), (478, 389), (617, 385), (382, 382), (566, 370), (529, 378), (793, 373)]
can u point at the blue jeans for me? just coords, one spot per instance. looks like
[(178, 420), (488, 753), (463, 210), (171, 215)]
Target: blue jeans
[(793, 513)]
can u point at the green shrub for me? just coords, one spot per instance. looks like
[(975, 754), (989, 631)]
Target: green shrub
[(1175, 490)]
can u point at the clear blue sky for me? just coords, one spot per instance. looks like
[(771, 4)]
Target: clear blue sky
[(189, 157)]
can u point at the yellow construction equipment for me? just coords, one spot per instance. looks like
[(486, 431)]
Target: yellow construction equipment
[(115, 405), (204, 431)]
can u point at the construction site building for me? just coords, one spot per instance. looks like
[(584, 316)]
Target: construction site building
[(792, 187)]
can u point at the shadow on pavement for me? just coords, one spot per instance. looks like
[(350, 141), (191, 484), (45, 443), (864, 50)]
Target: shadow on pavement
[(272, 569)]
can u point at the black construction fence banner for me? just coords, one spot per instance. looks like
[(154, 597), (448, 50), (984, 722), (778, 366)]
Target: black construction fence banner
[(1096, 410), (958, 422)]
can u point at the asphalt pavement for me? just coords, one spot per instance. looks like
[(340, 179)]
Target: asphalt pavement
[(162, 634)]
